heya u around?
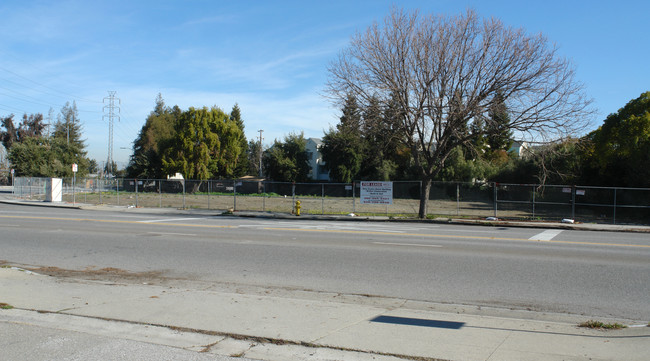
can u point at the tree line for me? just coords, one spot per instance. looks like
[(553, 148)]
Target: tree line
[(32, 150), (616, 154), (366, 144), (208, 143)]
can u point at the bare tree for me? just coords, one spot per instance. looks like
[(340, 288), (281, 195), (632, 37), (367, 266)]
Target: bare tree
[(445, 72)]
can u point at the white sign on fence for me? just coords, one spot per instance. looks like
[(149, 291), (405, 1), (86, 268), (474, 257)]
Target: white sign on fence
[(376, 192)]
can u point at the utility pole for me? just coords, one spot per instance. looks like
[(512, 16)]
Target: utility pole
[(111, 115), (261, 131)]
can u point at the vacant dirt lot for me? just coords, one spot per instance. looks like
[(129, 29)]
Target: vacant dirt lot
[(309, 205)]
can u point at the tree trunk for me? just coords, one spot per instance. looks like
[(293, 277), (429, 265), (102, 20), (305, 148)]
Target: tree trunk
[(425, 189), (196, 186)]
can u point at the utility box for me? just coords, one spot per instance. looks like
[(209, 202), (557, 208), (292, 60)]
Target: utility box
[(53, 190)]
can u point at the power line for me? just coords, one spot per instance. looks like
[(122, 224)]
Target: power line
[(47, 87)]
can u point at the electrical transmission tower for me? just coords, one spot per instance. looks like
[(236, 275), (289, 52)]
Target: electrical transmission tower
[(111, 107), (260, 150)]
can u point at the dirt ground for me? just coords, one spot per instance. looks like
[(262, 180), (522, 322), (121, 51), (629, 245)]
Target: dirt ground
[(309, 205), (465, 208)]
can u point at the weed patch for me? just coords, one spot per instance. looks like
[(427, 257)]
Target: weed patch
[(5, 306), (601, 325)]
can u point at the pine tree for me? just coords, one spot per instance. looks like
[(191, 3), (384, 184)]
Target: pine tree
[(156, 133), (67, 145), (242, 167), (288, 160), (498, 133), (343, 147)]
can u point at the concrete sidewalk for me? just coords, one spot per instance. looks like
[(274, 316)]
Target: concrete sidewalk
[(298, 325)]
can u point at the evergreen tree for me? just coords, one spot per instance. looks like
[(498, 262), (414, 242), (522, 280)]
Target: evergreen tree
[(350, 120), (396, 151), (206, 145), (343, 147), (33, 158), (253, 153), (31, 126), (10, 135), (619, 150), (68, 126), (497, 127), (67, 144), (373, 134), (287, 161), (156, 133), (242, 167)]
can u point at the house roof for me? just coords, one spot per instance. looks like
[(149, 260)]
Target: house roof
[(318, 141)]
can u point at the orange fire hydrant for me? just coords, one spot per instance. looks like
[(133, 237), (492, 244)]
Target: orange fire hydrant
[(297, 208)]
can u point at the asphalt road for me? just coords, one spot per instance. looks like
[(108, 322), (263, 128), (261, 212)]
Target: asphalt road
[(596, 274)]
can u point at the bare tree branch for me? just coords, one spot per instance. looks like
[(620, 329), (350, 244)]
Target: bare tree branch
[(445, 72)]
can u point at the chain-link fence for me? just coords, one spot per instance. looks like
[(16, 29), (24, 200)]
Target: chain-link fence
[(448, 199)]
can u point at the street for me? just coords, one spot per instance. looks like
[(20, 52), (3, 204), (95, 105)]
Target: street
[(597, 274)]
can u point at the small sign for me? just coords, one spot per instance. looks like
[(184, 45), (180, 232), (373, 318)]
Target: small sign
[(376, 192), (13, 171), (348, 188), (566, 190), (74, 167), (580, 192)]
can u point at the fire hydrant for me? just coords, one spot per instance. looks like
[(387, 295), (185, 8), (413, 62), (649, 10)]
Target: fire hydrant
[(297, 208)]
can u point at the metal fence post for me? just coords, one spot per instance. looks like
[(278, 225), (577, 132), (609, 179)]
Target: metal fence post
[(533, 202), (614, 205), (495, 184), (354, 198), (234, 194), (263, 196), (160, 192), (183, 181), (117, 189), (293, 197), (322, 199), (458, 199), (136, 193), (99, 186), (573, 202)]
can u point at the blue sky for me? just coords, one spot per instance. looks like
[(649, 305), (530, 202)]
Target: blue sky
[(270, 57)]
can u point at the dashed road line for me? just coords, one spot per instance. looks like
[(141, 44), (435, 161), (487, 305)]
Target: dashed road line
[(173, 234), (168, 220), (408, 244)]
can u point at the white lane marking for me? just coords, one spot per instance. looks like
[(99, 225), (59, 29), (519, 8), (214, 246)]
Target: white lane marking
[(328, 227), (172, 234), (168, 220), (547, 235), (408, 244)]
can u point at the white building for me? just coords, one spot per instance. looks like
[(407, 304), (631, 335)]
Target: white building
[(520, 149), (317, 166)]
